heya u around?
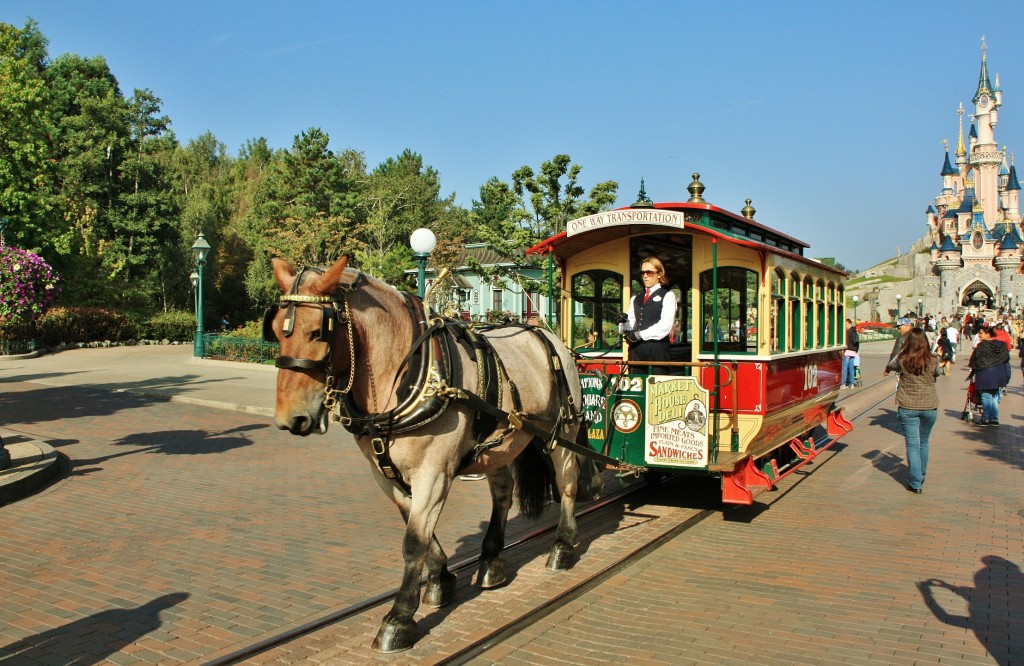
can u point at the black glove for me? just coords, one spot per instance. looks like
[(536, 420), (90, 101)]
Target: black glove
[(630, 337), (622, 318)]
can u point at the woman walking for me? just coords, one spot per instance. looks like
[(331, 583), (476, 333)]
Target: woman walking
[(918, 401), (990, 369)]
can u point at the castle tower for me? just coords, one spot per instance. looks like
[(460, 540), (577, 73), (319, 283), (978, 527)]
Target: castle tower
[(985, 157), (975, 220)]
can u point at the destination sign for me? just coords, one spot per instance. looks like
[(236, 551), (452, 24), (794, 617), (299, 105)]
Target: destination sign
[(617, 218)]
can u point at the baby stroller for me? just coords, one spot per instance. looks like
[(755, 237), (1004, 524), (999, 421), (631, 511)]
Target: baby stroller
[(972, 408)]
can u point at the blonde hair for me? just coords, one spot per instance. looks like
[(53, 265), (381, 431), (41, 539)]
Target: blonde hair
[(658, 266)]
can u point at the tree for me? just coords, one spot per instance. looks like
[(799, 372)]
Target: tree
[(512, 218), (554, 196), (27, 166), (306, 210), (400, 196)]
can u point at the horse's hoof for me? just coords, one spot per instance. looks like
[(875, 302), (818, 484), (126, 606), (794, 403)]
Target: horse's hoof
[(441, 591), (561, 557), (395, 635), (493, 573)]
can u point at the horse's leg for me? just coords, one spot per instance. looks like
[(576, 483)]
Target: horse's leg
[(440, 588), (563, 552), (420, 547), (493, 570)]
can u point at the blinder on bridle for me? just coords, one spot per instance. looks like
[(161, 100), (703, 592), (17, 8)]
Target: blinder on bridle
[(328, 317), (329, 321)]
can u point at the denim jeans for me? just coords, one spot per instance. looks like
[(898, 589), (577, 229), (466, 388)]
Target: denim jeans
[(990, 405), (917, 426), (847, 378)]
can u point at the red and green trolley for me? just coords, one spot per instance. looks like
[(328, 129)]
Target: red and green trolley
[(756, 351)]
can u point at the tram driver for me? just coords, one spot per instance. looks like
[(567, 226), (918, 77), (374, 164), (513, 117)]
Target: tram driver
[(648, 322)]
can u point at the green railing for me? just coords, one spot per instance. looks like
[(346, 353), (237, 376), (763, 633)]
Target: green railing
[(246, 350)]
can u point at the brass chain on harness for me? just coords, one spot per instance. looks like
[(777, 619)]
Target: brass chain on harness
[(330, 393)]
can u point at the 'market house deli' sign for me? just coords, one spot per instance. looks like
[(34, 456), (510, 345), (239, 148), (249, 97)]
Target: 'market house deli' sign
[(618, 218)]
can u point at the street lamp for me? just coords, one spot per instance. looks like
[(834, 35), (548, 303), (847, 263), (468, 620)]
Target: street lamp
[(194, 279), (422, 241), (3, 225), (898, 297), (855, 299), (200, 251), (920, 312)]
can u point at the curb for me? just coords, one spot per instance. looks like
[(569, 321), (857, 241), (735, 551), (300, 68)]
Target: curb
[(33, 465)]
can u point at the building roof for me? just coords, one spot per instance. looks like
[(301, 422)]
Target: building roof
[(948, 245), (947, 168), (1013, 184)]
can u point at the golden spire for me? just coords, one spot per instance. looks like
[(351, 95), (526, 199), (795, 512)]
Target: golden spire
[(960, 150)]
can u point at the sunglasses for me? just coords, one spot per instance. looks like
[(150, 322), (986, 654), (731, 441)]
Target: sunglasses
[(646, 273)]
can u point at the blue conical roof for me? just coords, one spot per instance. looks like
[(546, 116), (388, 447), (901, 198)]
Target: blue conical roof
[(947, 168), (948, 245), (1008, 243), (1013, 184)]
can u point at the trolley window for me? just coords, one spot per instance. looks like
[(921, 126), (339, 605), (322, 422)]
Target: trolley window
[(736, 325), (778, 314), (794, 313), (597, 300)]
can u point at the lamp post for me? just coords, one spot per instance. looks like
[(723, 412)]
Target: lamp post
[(855, 299), (898, 297), (200, 251), (920, 311), (422, 241), (3, 225)]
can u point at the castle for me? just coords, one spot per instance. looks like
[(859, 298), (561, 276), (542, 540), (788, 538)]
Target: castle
[(974, 224)]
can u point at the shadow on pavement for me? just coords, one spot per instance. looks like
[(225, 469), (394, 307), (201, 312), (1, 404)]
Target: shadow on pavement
[(92, 639), (990, 603)]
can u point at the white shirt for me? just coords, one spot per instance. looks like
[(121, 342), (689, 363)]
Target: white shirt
[(663, 328)]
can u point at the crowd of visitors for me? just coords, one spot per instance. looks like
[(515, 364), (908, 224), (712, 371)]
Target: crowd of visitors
[(927, 348)]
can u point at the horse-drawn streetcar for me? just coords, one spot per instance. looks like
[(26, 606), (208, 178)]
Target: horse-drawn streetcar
[(754, 366), (755, 348)]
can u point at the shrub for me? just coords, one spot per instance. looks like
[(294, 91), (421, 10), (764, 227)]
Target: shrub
[(84, 324), (174, 325)]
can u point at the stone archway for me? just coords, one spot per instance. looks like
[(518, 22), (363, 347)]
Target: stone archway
[(978, 294)]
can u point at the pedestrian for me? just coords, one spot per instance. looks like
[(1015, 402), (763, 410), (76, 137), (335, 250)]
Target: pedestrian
[(850, 355), (954, 339), (944, 352), (917, 401), (904, 325), (990, 370), (648, 323)]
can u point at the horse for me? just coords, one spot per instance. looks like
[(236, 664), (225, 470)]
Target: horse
[(429, 399)]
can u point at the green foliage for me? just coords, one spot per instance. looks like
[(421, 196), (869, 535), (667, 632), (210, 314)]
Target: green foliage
[(174, 326), (246, 350), (84, 324)]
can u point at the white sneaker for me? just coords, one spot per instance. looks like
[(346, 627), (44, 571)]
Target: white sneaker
[(472, 477)]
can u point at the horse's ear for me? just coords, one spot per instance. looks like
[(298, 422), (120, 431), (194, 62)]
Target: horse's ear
[(327, 284), (284, 274)]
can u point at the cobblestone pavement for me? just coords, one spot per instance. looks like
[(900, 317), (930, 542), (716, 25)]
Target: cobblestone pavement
[(182, 531)]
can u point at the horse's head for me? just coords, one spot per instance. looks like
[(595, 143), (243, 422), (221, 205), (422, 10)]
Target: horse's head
[(305, 323)]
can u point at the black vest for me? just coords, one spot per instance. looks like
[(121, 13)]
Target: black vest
[(648, 314)]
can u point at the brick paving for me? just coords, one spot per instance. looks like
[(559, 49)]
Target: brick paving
[(183, 532)]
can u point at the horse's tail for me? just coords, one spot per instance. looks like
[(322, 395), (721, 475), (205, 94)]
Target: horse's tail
[(535, 480)]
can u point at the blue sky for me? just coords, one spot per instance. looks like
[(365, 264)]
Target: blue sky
[(829, 115)]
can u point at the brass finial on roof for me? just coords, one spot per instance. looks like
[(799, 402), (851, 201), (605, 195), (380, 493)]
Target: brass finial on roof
[(642, 200), (748, 211), (696, 189)]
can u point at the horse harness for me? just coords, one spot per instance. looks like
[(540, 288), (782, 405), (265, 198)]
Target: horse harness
[(426, 389)]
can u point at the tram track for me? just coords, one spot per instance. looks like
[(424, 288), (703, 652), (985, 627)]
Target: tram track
[(685, 520), (681, 526)]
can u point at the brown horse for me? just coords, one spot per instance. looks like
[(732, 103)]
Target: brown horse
[(428, 400)]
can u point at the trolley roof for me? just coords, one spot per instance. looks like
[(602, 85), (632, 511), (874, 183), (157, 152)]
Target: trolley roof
[(586, 232)]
